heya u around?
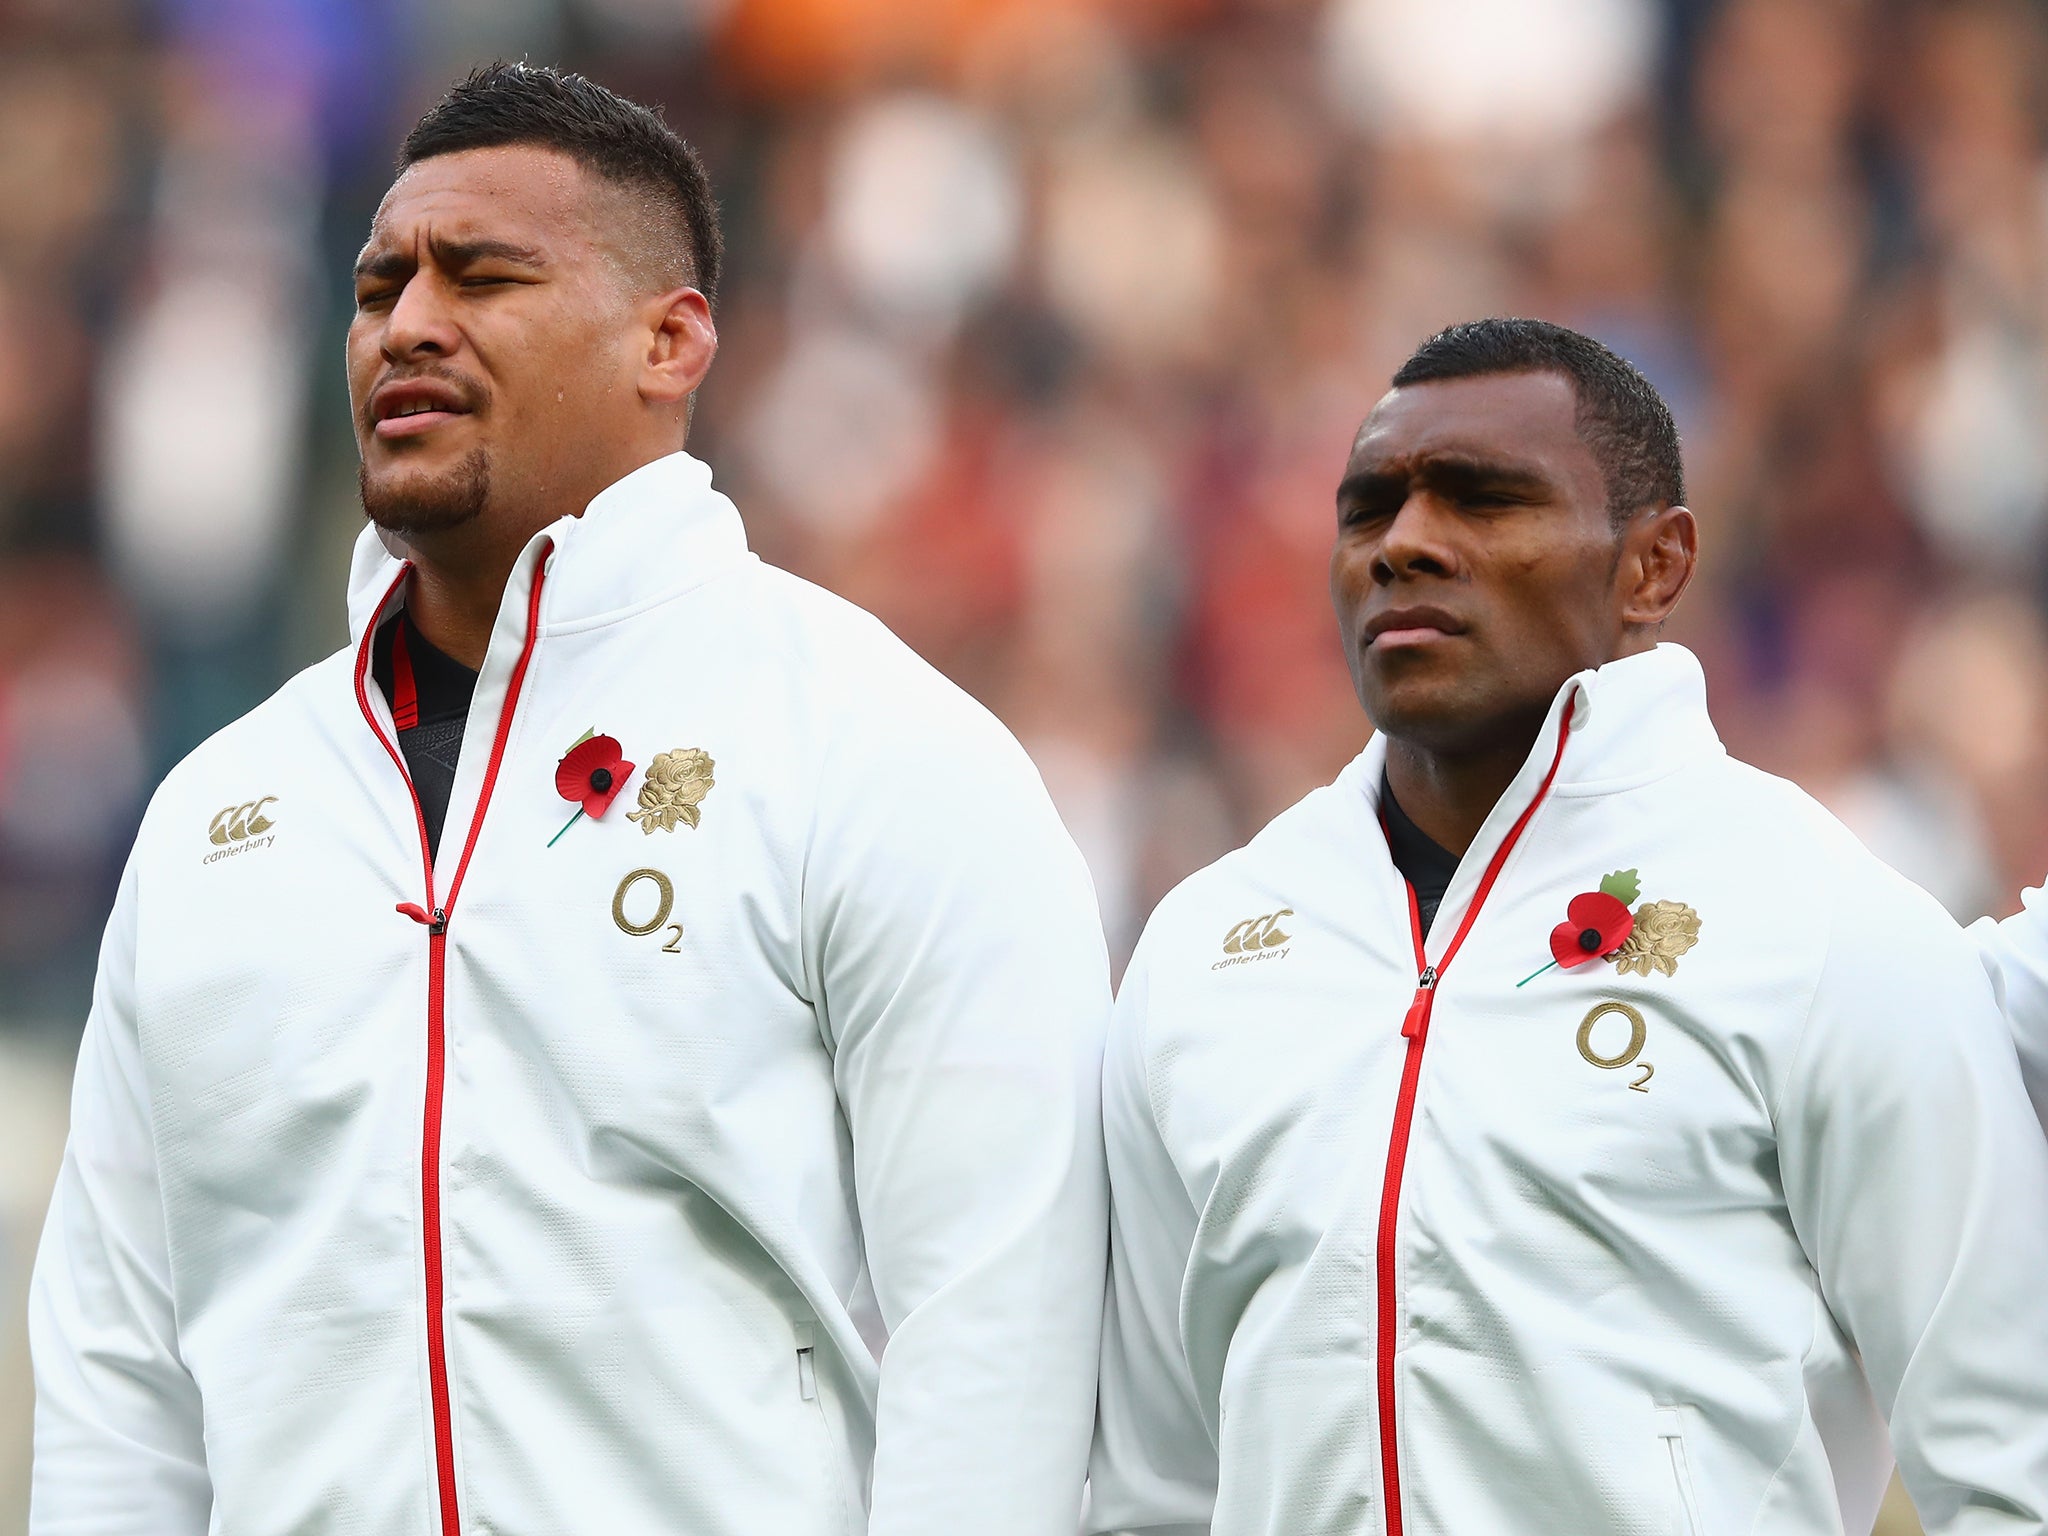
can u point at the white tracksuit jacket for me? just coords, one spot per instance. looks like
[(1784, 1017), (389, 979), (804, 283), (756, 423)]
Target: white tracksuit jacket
[(2015, 955), (1652, 1250), (570, 1211)]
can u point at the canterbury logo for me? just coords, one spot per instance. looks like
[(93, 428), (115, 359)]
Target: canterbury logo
[(1256, 933), (236, 822)]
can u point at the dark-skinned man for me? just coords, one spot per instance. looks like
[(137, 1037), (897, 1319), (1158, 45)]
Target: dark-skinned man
[(1554, 1125), (543, 1056)]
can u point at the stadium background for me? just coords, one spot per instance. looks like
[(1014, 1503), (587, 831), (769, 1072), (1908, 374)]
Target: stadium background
[(1047, 326)]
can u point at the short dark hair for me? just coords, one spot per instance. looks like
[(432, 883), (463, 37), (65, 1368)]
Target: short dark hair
[(1621, 417), (625, 143)]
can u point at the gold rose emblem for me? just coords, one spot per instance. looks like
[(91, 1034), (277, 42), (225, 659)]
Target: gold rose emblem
[(1663, 931), (676, 783)]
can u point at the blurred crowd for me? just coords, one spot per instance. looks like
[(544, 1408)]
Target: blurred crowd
[(1047, 327)]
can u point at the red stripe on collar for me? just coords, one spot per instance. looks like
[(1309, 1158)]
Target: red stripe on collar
[(405, 693)]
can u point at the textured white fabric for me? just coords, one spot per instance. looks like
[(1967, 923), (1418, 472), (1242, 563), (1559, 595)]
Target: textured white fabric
[(1618, 1310), (2015, 955), (846, 1091)]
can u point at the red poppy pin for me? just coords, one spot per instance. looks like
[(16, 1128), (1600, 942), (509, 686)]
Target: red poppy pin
[(1596, 924), (590, 776)]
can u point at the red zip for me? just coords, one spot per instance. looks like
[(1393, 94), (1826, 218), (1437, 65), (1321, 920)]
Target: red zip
[(435, 920), (1415, 1030)]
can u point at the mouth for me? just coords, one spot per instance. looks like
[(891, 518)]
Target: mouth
[(414, 407), (1399, 628)]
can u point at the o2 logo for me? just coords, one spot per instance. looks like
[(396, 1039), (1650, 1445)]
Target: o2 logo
[(628, 895), (1638, 1036)]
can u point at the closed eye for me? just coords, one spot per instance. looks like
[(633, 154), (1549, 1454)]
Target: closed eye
[(1368, 498), (1483, 485)]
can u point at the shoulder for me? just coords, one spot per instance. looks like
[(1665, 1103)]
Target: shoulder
[(1300, 862), (239, 760), (1893, 1003), (908, 784), (873, 695), (1783, 818), (1869, 926), (844, 639)]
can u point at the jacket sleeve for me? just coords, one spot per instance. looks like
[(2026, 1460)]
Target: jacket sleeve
[(2015, 955), (953, 939), (1154, 1469), (1917, 1180), (117, 1424)]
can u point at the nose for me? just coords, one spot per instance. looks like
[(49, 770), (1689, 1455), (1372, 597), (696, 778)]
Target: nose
[(419, 323), (1413, 544)]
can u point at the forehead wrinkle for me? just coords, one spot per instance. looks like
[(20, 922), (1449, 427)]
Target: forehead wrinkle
[(447, 250), (454, 250), (1446, 459), (1447, 427), (634, 237), (506, 182)]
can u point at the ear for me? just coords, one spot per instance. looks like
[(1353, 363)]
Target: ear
[(1659, 554), (681, 341)]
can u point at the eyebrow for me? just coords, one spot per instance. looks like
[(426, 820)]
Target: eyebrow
[(1452, 470), (449, 253)]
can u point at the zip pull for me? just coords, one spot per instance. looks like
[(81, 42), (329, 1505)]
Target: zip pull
[(435, 922), (806, 1365), (1418, 1011)]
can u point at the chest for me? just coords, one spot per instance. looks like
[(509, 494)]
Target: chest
[(1641, 1082), (642, 967)]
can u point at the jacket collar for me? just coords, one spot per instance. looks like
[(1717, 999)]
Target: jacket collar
[(1623, 725), (1632, 721), (647, 537)]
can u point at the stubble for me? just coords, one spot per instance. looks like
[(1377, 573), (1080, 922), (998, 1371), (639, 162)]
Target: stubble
[(415, 506)]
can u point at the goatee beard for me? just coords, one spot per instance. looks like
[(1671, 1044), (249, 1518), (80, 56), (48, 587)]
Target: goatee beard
[(429, 506)]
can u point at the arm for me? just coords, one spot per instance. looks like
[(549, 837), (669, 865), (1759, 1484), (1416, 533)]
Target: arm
[(1154, 1469), (953, 934), (1917, 1179), (118, 1445), (2015, 955)]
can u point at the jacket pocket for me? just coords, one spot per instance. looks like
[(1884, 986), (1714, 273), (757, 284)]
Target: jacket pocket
[(831, 1459), (1670, 1424)]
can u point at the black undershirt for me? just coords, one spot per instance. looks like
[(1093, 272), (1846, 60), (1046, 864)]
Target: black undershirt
[(1426, 863), (443, 686)]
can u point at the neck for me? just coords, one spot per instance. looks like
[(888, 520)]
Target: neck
[(459, 574), (1450, 795), (457, 586)]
